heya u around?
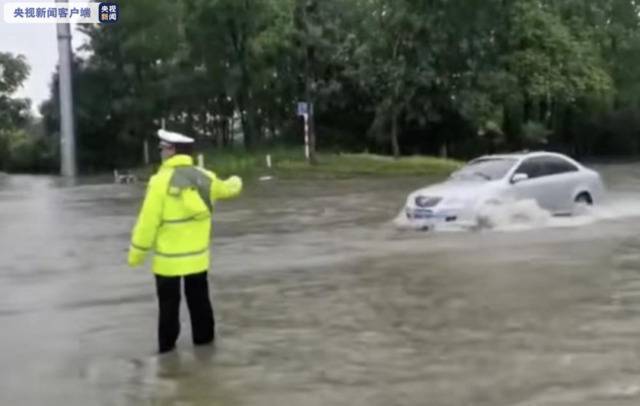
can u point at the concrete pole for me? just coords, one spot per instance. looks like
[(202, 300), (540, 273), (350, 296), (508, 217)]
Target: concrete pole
[(68, 165)]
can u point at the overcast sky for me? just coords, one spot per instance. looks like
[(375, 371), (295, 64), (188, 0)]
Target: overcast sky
[(37, 42)]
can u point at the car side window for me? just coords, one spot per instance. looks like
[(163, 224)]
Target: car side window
[(556, 166), (532, 167)]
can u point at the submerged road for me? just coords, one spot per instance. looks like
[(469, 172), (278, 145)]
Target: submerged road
[(321, 301)]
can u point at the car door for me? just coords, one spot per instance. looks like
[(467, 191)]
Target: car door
[(537, 185), (560, 177)]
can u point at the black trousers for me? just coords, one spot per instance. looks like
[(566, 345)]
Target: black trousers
[(196, 289)]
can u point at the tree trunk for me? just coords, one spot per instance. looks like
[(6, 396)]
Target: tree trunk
[(231, 131), (190, 123), (245, 102), (272, 128), (225, 131), (443, 150), (527, 109), (395, 146), (247, 118), (395, 101), (220, 130)]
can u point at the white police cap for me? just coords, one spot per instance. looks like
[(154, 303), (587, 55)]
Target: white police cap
[(174, 138)]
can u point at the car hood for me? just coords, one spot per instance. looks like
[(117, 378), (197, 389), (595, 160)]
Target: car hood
[(460, 191)]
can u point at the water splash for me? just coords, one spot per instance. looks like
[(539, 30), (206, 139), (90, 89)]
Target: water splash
[(513, 215), (524, 215)]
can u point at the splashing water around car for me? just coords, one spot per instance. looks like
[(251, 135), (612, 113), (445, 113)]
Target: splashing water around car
[(496, 190)]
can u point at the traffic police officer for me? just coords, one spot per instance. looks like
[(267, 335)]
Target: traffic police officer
[(175, 223)]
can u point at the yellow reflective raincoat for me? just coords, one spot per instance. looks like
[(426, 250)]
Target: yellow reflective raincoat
[(175, 219)]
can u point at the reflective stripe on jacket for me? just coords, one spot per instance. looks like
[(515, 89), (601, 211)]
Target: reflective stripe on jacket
[(175, 218)]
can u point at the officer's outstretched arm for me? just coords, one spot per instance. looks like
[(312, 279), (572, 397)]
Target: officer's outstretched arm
[(144, 232), (225, 189)]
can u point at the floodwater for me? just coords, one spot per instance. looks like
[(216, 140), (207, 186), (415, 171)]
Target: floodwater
[(320, 300)]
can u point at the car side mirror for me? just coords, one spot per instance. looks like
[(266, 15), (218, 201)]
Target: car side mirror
[(519, 177)]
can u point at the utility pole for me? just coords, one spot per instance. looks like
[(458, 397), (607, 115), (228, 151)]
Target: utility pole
[(67, 132)]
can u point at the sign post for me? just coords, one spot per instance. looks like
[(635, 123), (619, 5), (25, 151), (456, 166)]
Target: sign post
[(303, 110)]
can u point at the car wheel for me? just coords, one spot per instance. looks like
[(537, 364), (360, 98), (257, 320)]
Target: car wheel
[(582, 203)]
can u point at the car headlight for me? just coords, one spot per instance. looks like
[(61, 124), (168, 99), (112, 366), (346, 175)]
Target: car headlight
[(426, 201)]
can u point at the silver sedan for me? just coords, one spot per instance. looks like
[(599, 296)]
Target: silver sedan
[(557, 183)]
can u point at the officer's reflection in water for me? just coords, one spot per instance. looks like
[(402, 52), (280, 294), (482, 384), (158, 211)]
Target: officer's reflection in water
[(175, 223)]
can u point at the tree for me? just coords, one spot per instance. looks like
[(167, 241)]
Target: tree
[(14, 112), (236, 41), (418, 75), (14, 70)]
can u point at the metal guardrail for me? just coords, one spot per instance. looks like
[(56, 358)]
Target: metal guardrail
[(126, 177)]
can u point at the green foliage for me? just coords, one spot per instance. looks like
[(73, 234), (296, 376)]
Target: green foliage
[(399, 76), (13, 72), (367, 164), (23, 145), (290, 162), (23, 152), (534, 132)]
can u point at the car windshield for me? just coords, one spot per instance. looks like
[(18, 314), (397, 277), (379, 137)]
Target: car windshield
[(486, 168)]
